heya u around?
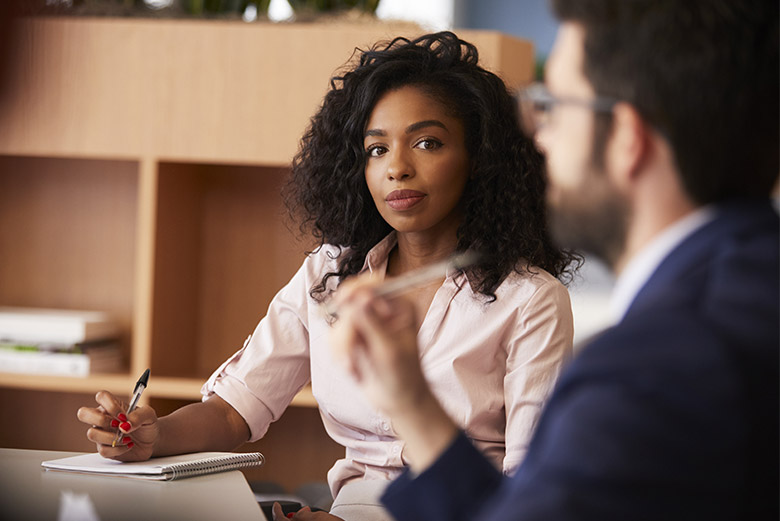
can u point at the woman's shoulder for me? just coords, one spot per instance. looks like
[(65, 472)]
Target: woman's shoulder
[(315, 266), (323, 259), (531, 282)]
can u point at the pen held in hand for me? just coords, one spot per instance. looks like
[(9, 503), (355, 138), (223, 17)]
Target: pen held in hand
[(416, 278), (140, 385)]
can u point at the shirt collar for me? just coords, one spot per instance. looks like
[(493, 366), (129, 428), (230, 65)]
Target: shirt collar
[(376, 258), (644, 263)]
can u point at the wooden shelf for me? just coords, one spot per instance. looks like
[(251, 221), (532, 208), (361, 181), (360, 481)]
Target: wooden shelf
[(120, 384), (206, 91), (116, 383), (140, 168)]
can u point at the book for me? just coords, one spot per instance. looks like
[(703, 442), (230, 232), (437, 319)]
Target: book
[(60, 360), (158, 469), (62, 326)]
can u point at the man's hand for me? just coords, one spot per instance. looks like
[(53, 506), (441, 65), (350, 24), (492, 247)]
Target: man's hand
[(376, 339)]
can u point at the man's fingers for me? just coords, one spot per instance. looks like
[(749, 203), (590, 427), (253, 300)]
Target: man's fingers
[(354, 286), (380, 322)]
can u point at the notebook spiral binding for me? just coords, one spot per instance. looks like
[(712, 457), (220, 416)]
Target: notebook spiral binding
[(214, 465)]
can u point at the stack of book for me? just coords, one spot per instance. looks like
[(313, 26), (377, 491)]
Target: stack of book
[(58, 342)]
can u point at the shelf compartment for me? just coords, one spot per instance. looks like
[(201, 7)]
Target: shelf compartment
[(222, 251), (52, 426), (67, 235)]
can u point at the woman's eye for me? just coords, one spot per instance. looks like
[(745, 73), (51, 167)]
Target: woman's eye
[(375, 151), (428, 144)]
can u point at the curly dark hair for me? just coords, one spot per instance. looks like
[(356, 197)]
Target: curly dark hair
[(504, 213)]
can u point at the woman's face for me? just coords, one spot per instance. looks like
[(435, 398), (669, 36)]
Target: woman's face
[(416, 162)]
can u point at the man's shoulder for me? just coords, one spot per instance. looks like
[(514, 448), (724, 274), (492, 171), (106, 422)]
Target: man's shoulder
[(677, 352), (714, 296), (657, 336)]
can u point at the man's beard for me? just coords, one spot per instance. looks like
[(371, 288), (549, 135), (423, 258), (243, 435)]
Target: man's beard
[(592, 218)]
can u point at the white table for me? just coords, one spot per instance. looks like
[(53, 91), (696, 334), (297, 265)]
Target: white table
[(29, 492)]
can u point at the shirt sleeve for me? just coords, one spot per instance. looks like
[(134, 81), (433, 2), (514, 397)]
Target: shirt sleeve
[(260, 380), (541, 346)]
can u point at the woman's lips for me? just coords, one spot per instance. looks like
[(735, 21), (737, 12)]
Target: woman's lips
[(403, 199)]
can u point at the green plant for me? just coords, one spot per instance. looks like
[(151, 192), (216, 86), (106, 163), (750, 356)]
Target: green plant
[(200, 7), (368, 6)]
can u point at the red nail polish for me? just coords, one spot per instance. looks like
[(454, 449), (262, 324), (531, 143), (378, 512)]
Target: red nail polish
[(127, 439), (122, 417), (115, 423), (125, 426), (130, 445), (290, 515)]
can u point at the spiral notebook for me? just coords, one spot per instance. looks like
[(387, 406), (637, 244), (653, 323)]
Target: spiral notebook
[(159, 469)]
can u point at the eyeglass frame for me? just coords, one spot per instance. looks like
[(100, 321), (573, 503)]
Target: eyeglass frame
[(536, 97)]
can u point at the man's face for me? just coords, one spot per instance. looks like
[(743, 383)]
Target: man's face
[(587, 212)]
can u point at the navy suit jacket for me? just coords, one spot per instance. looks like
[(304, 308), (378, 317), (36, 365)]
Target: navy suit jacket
[(672, 414)]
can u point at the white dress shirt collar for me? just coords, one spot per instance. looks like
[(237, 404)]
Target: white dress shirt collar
[(644, 263)]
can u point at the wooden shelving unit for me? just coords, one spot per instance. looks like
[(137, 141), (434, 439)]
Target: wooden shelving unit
[(140, 167)]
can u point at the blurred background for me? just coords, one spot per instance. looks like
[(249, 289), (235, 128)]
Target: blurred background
[(143, 144)]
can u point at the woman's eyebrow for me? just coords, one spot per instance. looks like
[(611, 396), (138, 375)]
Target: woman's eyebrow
[(411, 128), (426, 123)]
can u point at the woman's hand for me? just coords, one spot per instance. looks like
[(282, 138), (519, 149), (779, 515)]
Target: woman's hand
[(138, 431), (304, 514)]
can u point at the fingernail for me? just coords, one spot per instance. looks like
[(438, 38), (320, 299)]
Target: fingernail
[(127, 439), (125, 426), (122, 417), (130, 445), (115, 423), (290, 515)]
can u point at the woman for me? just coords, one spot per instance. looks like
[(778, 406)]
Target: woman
[(414, 155)]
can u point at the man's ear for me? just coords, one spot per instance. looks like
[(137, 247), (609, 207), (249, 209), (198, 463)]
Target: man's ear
[(628, 145)]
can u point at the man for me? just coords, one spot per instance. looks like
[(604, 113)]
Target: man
[(661, 137)]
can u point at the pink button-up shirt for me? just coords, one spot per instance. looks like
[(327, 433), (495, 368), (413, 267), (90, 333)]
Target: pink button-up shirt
[(492, 365)]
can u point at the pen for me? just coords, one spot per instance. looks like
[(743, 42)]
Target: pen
[(417, 277), (140, 385)]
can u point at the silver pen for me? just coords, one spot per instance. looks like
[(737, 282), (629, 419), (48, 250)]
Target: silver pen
[(416, 277), (140, 385)]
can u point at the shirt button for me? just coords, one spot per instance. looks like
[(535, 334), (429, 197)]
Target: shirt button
[(385, 426)]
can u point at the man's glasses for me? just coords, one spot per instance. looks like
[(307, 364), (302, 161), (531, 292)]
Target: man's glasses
[(536, 105)]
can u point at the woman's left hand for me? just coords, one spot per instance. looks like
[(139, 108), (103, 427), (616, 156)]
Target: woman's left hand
[(304, 514)]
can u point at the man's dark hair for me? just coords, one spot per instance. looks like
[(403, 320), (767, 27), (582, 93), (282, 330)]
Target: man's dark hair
[(703, 73)]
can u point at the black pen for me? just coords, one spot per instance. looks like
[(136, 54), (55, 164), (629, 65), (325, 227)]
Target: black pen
[(140, 385)]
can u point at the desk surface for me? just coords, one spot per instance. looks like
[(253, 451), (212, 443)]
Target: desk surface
[(28, 492)]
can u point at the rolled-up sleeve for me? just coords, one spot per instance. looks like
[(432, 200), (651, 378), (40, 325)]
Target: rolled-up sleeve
[(260, 380)]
